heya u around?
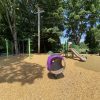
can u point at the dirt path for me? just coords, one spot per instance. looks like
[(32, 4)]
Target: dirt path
[(22, 78)]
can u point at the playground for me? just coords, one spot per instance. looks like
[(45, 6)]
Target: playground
[(24, 78), (49, 49)]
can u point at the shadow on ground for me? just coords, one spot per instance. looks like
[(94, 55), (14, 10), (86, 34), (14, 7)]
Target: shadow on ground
[(14, 70), (52, 76)]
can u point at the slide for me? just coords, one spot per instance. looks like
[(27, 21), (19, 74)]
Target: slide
[(82, 58)]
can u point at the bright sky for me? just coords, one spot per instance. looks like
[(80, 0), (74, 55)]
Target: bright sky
[(62, 39)]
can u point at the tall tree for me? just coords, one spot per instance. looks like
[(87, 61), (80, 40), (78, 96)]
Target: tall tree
[(22, 20), (9, 8), (51, 23), (93, 9), (81, 15)]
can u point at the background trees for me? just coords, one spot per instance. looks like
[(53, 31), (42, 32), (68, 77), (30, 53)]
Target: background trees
[(20, 19), (18, 22), (8, 11), (81, 17)]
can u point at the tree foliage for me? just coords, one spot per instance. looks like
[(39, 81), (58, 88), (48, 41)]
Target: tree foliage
[(81, 16), (19, 20)]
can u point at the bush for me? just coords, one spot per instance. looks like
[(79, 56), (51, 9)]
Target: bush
[(76, 47), (94, 51), (50, 52), (81, 48)]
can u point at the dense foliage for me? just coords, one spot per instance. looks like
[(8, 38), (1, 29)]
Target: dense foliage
[(18, 22), (82, 16)]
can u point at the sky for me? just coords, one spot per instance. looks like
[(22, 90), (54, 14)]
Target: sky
[(62, 39)]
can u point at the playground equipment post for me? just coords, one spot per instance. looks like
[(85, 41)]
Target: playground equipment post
[(66, 48)]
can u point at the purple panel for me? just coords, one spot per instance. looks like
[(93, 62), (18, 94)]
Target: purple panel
[(50, 58)]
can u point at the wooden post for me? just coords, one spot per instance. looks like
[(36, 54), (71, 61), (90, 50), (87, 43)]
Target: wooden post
[(38, 30), (39, 11)]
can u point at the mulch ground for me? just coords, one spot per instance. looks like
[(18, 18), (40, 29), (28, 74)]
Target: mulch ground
[(22, 78)]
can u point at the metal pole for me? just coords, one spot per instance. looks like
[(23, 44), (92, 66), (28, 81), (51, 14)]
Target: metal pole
[(6, 47)]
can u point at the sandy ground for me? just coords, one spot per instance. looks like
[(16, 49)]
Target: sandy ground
[(22, 78)]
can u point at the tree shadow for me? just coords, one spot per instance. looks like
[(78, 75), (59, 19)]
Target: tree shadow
[(14, 70), (4, 61)]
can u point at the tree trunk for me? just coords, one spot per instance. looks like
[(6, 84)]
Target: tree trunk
[(15, 42), (15, 35), (12, 47), (13, 26), (14, 30), (23, 46)]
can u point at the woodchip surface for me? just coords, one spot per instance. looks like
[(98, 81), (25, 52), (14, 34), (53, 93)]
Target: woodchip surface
[(22, 78)]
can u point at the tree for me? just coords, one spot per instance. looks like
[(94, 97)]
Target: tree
[(21, 18), (51, 23), (97, 36), (74, 19), (97, 32), (81, 16), (93, 8), (9, 10)]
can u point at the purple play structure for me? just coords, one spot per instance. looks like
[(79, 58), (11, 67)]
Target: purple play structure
[(51, 58), (54, 64)]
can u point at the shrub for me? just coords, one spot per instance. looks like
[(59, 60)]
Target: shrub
[(81, 48)]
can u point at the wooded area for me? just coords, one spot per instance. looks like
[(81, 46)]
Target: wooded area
[(19, 23)]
